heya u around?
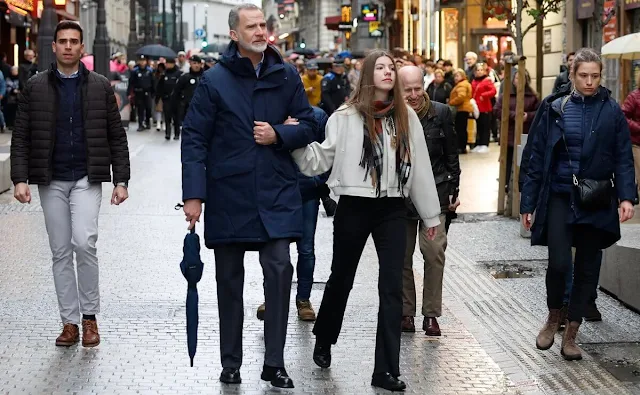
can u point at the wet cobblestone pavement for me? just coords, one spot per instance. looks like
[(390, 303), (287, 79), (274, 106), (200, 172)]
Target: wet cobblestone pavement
[(488, 325)]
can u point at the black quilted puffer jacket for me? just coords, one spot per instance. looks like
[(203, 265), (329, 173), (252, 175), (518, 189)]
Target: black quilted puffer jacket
[(34, 133)]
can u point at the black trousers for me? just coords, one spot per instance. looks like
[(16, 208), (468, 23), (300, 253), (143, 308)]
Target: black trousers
[(278, 271), (462, 117), (494, 121), (484, 128), (356, 218), (561, 237), (171, 116), (143, 104)]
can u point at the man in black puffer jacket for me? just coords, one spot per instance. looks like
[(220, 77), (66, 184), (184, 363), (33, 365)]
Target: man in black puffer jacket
[(67, 137)]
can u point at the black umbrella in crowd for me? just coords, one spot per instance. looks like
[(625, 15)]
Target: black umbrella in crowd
[(157, 51), (304, 52), (191, 267)]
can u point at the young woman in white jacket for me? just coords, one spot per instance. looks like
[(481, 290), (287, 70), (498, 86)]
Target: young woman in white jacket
[(377, 153)]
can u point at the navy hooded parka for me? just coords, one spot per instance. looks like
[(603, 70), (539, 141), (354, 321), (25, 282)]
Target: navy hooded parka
[(250, 191), (606, 153)]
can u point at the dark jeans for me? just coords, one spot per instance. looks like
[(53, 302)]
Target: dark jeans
[(306, 249), (483, 125), (561, 236), (462, 117), (568, 282), (171, 116), (143, 104), (356, 218)]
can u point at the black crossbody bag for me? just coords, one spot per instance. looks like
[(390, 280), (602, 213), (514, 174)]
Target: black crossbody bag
[(589, 194)]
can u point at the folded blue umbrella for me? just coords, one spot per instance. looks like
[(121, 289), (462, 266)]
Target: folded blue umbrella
[(191, 267)]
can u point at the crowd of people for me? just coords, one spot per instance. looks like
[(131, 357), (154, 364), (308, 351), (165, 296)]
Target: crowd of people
[(264, 140)]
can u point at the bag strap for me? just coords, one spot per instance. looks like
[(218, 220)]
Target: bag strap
[(564, 140)]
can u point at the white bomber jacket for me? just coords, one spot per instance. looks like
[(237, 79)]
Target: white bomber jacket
[(342, 149)]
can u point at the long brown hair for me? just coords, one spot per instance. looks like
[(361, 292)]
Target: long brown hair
[(363, 97)]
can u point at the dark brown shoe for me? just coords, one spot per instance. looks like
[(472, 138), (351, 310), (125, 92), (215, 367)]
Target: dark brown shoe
[(407, 324), (70, 335), (431, 327), (90, 335)]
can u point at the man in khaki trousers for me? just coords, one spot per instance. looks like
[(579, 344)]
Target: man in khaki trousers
[(438, 125)]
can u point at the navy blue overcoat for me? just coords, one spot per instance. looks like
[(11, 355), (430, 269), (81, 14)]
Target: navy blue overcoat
[(606, 153), (250, 191)]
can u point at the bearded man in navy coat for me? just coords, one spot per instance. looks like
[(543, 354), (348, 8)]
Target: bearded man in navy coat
[(235, 160)]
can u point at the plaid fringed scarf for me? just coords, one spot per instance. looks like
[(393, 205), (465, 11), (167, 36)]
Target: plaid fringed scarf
[(373, 151)]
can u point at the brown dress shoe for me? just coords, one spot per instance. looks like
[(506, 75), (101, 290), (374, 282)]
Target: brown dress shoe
[(407, 324), (570, 350), (70, 335), (90, 336), (544, 341), (430, 326), (305, 310)]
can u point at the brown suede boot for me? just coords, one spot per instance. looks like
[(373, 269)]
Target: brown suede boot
[(570, 350), (544, 341), (90, 335), (305, 310), (70, 335)]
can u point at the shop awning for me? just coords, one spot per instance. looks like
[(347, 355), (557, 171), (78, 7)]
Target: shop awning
[(332, 22), (66, 15)]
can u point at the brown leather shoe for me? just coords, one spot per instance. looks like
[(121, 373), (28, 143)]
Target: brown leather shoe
[(90, 335), (407, 324), (545, 338), (305, 310), (70, 335), (430, 326), (570, 350)]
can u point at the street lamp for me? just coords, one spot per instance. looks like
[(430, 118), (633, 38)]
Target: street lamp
[(132, 45), (101, 43), (46, 29)]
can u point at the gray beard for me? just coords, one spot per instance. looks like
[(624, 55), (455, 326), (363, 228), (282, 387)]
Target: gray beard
[(252, 48)]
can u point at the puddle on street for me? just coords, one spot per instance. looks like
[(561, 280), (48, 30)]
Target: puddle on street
[(512, 273), (515, 269)]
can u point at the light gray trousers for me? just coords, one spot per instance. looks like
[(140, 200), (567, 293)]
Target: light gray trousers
[(71, 211)]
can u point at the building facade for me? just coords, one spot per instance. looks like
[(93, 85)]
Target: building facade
[(117, 12)]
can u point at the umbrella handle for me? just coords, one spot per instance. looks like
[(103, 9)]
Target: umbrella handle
[(193, 230)]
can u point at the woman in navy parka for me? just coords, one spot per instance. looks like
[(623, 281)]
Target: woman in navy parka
[(580, 136)]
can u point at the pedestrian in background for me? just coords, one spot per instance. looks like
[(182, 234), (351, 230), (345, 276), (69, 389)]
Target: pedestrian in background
[(13, 89), (372, 171), (460, 98), (312, 84), (631, 109), (335, 88), (165, 88), (531, 104), (440, 135), (566, 160), (141, 89), (483, 91), (67, 139), (439, 90), (311, 189), (235, 156), (186, 86), (158, 74)]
